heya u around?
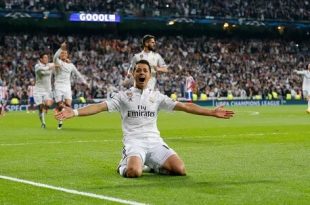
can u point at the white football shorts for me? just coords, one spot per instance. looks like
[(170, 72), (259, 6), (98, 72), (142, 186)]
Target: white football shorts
[(153, 156), (40, 97), (61, 95)]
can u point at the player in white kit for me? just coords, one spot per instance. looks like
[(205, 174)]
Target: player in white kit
[(63, 93), (305, 84), (42, 91), (4, 96), (155, 60), (139, 108)]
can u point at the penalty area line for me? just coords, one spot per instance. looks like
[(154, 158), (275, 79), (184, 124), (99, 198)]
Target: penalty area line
[(71, 191)]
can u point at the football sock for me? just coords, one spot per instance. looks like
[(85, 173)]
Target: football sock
[(122, 170), (43, 117)]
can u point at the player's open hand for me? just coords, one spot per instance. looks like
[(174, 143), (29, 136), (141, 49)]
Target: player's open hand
[(63, 46), (220, 112), (65, 113)]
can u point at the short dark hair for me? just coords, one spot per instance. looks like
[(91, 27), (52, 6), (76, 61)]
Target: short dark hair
[(146, 38), (43, 54), (143, 62)]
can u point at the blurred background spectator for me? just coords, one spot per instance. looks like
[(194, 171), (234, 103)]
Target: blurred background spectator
[(244, 68)]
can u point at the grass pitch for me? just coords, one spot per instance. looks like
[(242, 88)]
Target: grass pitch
[(261, 156)]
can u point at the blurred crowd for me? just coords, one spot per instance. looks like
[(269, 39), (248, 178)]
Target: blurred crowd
[(243, 68), (261, 10)]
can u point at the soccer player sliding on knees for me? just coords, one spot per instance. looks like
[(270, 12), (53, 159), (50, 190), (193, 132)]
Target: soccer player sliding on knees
[(139, 108)]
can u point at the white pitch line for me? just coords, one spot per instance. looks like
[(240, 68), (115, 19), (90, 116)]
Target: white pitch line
[(55, 142), (166, 138), (229, 135), (72, 191)]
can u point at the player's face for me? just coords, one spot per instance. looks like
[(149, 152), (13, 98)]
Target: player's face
[(44, 59), (150, 44), (63, 55), (141, 75)]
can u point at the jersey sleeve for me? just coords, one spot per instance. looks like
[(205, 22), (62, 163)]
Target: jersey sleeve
[(78, 74), (114, 102), (56, 57), (132, 64), (41, 70), (301, 72), (166, 103), (161, 62)]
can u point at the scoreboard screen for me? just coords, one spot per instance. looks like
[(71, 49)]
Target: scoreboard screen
[(94, 17)]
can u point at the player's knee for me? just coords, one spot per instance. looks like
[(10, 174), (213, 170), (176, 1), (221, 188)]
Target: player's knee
[(179, 170), (132, 172)]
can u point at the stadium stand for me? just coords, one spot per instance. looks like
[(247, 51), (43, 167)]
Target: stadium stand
[(261, 10), (244, 68)]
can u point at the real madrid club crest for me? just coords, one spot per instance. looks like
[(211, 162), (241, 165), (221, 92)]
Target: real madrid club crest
[(152, 99), (129, 95)]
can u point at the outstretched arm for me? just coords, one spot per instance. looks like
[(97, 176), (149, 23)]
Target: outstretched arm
[(192, 108), (63, 46), (68, 112), (302, 72), (163, 69)]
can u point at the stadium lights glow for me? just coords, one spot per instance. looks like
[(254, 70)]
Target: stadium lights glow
[(170, 23), (226, 25), (280, 29)]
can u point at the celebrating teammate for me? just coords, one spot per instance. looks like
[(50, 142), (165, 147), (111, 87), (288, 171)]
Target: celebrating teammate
[(42, 91), (3, 97), (63, 93), (139, 108), (155, 60), (305, 84)]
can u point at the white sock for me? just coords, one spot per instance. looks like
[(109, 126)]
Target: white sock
[(43, 117), (122, 170), (308, 104), (60, 122)]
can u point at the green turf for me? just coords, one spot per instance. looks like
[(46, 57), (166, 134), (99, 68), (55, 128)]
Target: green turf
[(254, 158)]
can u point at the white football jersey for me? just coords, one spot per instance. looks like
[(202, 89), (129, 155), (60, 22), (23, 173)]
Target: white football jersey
[(306, 79), (139, 110), (63, 74), (154, 59), (43, 77)]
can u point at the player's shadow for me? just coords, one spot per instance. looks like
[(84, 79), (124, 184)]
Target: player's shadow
[(176, 182)]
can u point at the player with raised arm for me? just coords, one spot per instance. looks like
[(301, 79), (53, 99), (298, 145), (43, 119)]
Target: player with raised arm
[(305, 84), (42, 91), (4, 96), (139, 108), (63, 93), (148, 53)]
